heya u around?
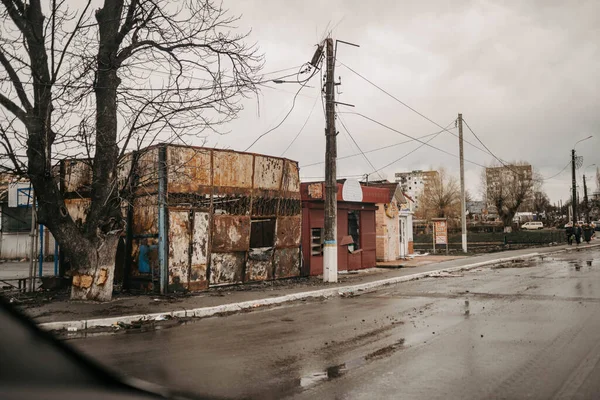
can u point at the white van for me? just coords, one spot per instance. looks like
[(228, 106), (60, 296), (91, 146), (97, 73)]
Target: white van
[(532, 225)]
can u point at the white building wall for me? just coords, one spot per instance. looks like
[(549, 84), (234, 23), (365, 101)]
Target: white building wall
[(16, 245)]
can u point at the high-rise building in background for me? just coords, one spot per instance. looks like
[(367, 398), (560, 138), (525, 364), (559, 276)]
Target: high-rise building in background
[(414, 183)]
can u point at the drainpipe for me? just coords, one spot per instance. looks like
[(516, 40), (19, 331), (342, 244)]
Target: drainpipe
[(162, 219)]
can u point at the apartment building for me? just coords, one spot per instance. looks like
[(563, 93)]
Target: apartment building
[(414, 182)]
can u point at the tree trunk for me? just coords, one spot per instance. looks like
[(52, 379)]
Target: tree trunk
[(94, 275)]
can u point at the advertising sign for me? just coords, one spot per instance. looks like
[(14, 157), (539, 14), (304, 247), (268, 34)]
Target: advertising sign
[(441, 232)]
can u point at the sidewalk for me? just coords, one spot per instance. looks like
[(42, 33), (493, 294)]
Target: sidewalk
[(62, 314)]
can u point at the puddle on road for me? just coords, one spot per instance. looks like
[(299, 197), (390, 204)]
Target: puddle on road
[(339, 370)]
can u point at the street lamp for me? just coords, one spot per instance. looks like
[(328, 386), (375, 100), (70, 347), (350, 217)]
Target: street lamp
[(579, 141), (573, 181)]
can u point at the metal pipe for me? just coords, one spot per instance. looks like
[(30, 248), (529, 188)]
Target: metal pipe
[(56, 250), (162, 219), (41, 256)]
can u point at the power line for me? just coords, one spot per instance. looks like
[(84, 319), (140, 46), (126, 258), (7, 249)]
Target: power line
[(393, 97), (560, 172), (412, 151), (359, 149), (370, 151), (483, 144), (493, 155), (302, 128), (413, 138), (286, 115)]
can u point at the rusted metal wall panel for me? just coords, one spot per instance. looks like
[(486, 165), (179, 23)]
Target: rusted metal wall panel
[(268, 172), (287, 262), (289, 231), (188, 169), (179, 246), (231, 233), (259, 266), (147, 171), (124, 172), (78, 176), (199, 246), (145, 215), (77, 209), (292, 177), (232, 169), (226, 268)]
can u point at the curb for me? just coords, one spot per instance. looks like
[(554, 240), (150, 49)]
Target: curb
[(204, 312)]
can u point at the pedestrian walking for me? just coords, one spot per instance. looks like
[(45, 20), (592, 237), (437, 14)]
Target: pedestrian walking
[(587, 233), (578, 233), (570, 234)]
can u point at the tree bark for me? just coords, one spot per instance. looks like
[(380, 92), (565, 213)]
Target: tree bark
[(94, 274)]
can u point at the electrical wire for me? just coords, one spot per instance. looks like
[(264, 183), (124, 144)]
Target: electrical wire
[(370, 151), (493, 155), (392, 96), (412, 137), (359, 149), (412, 151), (560, 172), (286, 115), (302, 128)]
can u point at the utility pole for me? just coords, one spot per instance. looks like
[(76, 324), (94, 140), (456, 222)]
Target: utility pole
[(574, 188), (585, 201), (463, 200), (330, 262)]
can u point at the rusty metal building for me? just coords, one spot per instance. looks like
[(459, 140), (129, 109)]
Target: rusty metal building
[(356, 227), (201, 217)]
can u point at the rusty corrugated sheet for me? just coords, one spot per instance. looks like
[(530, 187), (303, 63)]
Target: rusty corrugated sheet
[(287, 262), (199, 251), (226, 268), (231, 233), (232, 169), (179, 246), (259, 266), (78, 176), (188, 169), (289, 231), (268, 173), (145, 215), (78, 209)]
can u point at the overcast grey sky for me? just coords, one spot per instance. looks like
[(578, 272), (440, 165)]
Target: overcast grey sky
[(523, 73)]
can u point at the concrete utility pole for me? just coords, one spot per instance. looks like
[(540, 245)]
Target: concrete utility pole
[(330, 264), (585, 202), (574, 188), (463, 200)]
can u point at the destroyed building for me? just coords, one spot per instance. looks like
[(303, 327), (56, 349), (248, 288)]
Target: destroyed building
[(199, 217)]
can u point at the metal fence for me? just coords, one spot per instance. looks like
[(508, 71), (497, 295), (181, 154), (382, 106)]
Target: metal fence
[(494, 241)]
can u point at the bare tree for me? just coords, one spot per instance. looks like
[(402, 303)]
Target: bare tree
[(508, 188), (95, 84), (541, 202), (440, 197)]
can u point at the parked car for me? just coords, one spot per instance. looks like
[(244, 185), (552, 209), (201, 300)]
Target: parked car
[(596, 225), (532, 225)]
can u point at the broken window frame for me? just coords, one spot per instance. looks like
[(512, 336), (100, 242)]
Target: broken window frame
[(354, 229), (316, 241), (263, 241)]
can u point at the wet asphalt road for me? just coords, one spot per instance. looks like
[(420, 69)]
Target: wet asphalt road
[(527, 331)]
